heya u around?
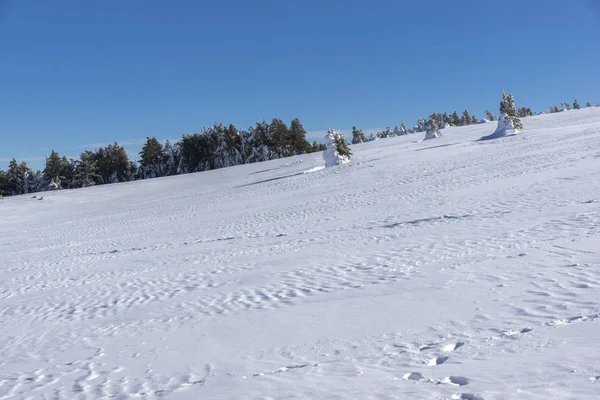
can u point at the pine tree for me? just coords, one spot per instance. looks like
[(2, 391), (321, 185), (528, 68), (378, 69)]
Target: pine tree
[(433, 124), (403, 128), (576, 105), (280, 138), (19, 177), (4, 184), (85, 172), (299, 144), (474, 120), (227, 146), (337, 151), (358, 136), (54, 171), (466, 118), (489, 116), (171, 159), (445, 119), (507, 107), (588, 104), (524, 112), (152, 159), (455, 120), (113, 164)]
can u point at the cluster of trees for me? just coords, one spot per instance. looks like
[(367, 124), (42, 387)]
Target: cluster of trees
[(215, 147), (443, 120), (567, 106)]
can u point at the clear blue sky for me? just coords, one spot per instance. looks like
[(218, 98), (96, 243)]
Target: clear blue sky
[(77, 74)]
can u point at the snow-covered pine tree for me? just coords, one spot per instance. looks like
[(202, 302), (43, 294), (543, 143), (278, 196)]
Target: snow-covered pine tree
[(445, 119), (53, 172), (433, 131), (421, 125), (566, 106), (489, 116), (337, 150), (588, 104), (227, 142), (403, 128), (260, 142), (19, 177), (171, 159), (455, 119), (466, 118), (358, 136), (85, 172), (508, 123), (5, 189), (507, 107), (576, 105)]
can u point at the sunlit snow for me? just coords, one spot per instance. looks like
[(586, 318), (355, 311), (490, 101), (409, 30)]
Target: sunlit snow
[(445, 269)]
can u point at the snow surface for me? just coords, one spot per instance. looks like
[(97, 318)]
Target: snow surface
[(464, 269)]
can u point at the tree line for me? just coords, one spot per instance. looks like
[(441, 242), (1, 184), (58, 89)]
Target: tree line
[(214, 147), (217, 146)]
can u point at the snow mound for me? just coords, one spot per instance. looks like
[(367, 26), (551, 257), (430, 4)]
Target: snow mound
[(505, 128), (432, 134)]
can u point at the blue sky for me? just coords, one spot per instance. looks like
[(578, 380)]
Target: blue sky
[(78, 74)]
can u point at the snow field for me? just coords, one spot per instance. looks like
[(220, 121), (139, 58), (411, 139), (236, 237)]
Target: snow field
[(445, 269)]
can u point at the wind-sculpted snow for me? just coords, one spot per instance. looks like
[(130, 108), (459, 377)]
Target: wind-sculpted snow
[(466, 269)]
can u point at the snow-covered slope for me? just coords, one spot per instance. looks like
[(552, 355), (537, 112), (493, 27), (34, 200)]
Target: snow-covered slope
[(420, 270)]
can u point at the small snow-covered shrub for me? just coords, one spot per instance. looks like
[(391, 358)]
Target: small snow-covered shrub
[(337, 151)]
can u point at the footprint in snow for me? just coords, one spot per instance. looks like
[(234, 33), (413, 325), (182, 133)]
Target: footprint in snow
[(437, 361), (413, 376), (466, 396), (456, 380), (453, 346), (511, 333)]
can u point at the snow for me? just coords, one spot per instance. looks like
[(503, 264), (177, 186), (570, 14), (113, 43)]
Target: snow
[(505, 128), (460, 269)]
